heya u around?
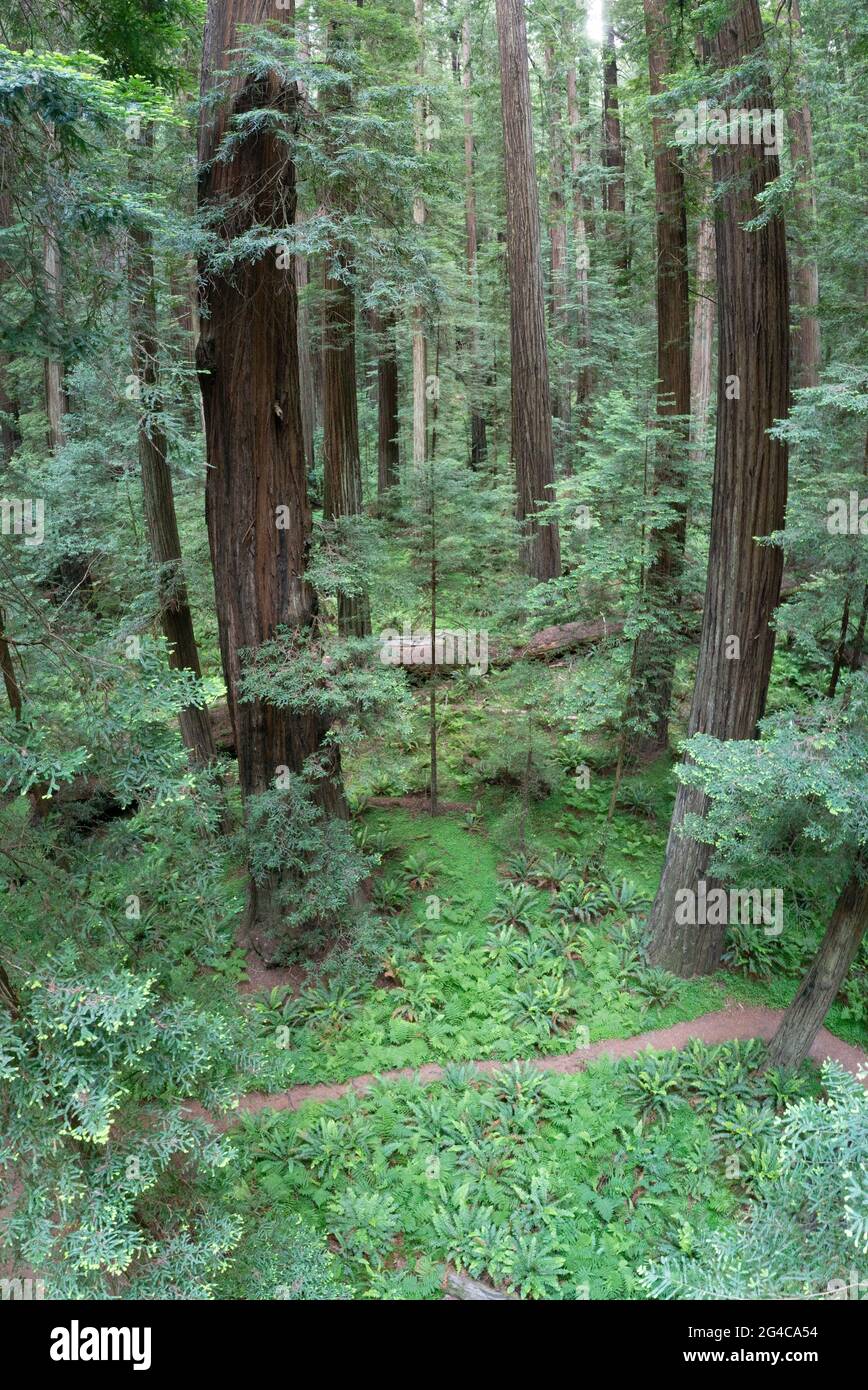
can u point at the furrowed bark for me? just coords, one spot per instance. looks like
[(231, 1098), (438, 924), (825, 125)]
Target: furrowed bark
[(248, 364), (532, 444), (478, 443), (749, 497)]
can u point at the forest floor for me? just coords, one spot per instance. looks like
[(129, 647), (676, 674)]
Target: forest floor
[(736, 1023)]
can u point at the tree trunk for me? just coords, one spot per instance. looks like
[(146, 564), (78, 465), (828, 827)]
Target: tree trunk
[(478, 443), (53, 368), (614, 199), (807, 338), (749, 498), (342, 467), (305, 360), (557, 235), (9, 436), (158, 497), (804, 1018), (651, 692), (532, 445), (248, 364), (420, 348), (581, 252), (703, 331), (387, 404)]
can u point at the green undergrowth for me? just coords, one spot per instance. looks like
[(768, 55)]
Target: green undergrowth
[(482, 952), (546, 1185)]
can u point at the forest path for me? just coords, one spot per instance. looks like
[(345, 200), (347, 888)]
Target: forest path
[(735, 1023)]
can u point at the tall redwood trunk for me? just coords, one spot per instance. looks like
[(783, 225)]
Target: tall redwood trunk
[(158, 496), (248, 364), (750, 490), (703, 329), (557, 234), (307, 383), (654, 659), (342, 467), (478, 443), (817, 993), (420, 346), (807, 286), (581, 250), (614, 185), (387, 404), (532, 446)]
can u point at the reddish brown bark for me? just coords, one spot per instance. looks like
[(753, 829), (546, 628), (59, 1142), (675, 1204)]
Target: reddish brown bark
[(557, 232), (581, 230), (478, 443), (749, 498), (806, 275), (614, 186), (532, 445), (703, 329), (248, 362)]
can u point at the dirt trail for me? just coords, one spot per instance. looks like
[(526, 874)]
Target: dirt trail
[(736, 1022)]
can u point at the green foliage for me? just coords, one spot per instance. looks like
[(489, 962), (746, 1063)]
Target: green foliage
[(94, 1068), (280, 1256), (544, 1184), (808, 1225)]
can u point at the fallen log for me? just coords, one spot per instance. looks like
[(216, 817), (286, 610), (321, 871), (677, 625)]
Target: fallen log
[(461, 1286), (567, 637)]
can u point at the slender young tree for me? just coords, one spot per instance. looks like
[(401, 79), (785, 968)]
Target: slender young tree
[(388, 425), (420, 346), (54, 375), (342, 468), (581, 231), (557, 230), (158, 495), (532, 445), (654, 662), (806, 272), (614, 184), (259, 519), (703, 326), (750, 489), (478, 444)]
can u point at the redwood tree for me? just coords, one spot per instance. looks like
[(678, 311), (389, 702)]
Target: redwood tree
[(258, 514), (532, 445), (750, 486), (654, 661)]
